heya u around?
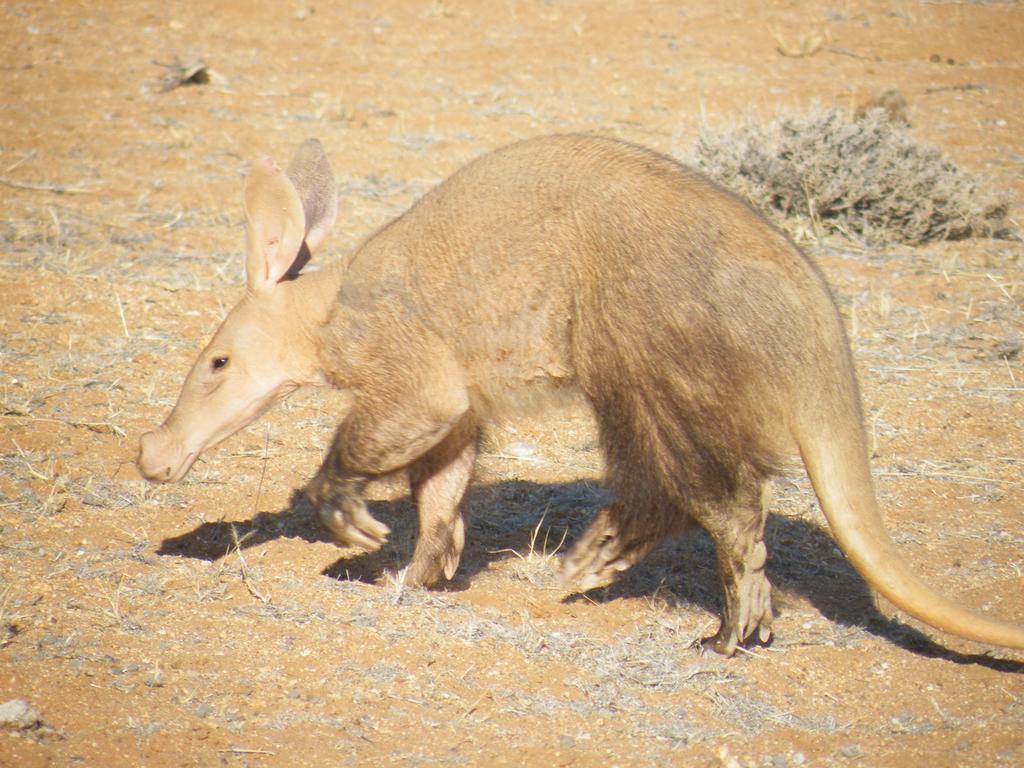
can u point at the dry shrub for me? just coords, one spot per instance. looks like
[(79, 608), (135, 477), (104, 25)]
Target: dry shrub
[(866, 178)]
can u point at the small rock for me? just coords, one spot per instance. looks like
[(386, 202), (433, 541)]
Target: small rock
[(726, 759), (852, 751), (566, 742), (521, 450), (18, 715)]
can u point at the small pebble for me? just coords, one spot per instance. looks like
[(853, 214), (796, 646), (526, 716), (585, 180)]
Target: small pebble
[(852, 751), (18, 715), (521, 450)]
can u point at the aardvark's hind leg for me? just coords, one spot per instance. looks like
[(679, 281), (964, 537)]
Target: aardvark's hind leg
[(641, 515), (737, 528), (607, 548)]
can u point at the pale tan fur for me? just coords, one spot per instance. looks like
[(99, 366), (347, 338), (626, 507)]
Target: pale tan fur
[(707, 344)]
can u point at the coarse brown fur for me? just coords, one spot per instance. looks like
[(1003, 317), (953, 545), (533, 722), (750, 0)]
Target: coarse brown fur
[(707, 344)]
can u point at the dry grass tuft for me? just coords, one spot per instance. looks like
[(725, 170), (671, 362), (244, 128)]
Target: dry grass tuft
[(866, 179), (539, 566)]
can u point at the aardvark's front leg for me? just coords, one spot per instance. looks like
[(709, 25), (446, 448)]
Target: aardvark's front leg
[(343, 511), (384, 433)]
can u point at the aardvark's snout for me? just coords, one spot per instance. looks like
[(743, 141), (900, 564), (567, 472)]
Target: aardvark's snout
[(162, 458)]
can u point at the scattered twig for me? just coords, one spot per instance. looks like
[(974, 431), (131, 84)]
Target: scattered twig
[(808, 43), (957, 87), (244, 566), (20, 161), (103, 427), (60, 189), (846, 52), (538, 460), (527, 459), (472, 707), (954, 476), (120, 311), (263, 471)]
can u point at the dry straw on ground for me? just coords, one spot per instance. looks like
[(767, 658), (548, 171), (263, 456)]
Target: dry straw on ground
[(867, 179)]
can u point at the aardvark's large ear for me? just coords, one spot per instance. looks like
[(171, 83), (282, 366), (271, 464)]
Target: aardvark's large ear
[(313, 178), (276, 225)]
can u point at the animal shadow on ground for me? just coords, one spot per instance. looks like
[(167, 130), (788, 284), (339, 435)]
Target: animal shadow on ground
[(521, 518)]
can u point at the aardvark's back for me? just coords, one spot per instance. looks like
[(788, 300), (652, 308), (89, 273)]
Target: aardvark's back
[(541, 257)]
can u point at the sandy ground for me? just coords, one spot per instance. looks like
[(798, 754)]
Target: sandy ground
[(211, 623)]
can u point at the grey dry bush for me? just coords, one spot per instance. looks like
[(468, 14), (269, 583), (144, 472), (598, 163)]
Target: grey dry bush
[(867, 179)]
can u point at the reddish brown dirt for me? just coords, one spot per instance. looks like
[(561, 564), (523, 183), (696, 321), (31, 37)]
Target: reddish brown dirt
[(139, 632)]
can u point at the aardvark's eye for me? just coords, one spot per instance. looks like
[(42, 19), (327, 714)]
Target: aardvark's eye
[(218, 363)]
